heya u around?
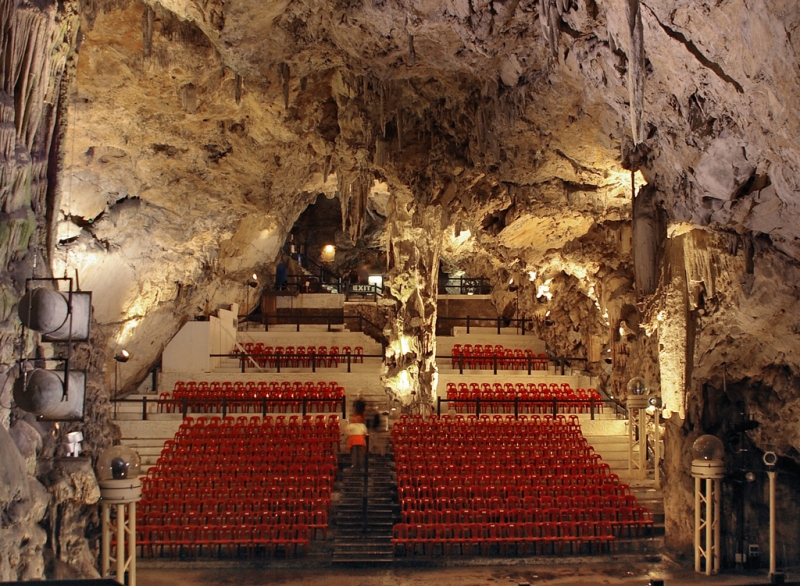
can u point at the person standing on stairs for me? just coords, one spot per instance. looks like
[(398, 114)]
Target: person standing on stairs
[(356, 432)]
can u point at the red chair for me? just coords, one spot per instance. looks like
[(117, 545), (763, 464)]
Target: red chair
[(400, 537)]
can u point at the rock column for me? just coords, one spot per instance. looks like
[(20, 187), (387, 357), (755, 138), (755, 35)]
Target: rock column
[(413, 241)]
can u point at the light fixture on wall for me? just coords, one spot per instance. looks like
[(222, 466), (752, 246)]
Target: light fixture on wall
[(120, 357), (59, 317), (328, 253)]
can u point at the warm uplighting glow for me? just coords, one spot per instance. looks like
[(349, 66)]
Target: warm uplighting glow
[(544, 290), (255, 277), (532, 275), (328, 252), (126, 333)]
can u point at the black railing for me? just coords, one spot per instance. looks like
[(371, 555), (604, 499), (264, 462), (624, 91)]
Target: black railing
[(465, 286), (531, 364), (498, 323), (365, 495), (555, 406), (310, 319), (224, 405), (311, 284), (278, 360), (297, 319)]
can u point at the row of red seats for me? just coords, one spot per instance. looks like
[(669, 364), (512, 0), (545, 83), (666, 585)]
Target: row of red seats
[(241, 491), (481, 357), (251, 401), (314, 520), (633, 521), (316, 469), (301, 356), (271, 386), (243, 422), (252, 465), (177, 540), (241, 504), (530, 398), (278, 463), (502, 538), (434, 484), (232, 482), (519, 387), (495, 422), (546, 443), (471, 493), (453, 473), (546, 499), (259, 399)]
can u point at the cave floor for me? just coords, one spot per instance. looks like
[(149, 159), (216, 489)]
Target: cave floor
[(560, 572)]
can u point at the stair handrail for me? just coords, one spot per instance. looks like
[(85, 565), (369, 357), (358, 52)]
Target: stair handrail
[(365, 497), (323, 271), (241, 349)]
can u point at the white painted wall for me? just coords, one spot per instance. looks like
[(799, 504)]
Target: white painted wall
[(189, 350), (315, 301)]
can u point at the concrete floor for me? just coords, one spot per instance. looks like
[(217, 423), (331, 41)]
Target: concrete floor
[(561, 572)]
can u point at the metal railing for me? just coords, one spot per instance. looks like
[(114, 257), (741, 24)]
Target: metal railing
[(552, 405), (278, 360), (498, 323), (297, 319), (224, 405), (529, 363), (465, 286)]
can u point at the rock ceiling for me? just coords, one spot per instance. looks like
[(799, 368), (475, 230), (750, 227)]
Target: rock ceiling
[(198, 131)]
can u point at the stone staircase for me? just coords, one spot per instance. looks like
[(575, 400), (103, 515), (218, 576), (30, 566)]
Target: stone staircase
[(609, 437), (353, 543)]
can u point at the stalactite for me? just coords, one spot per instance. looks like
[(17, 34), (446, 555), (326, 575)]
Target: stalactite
[(283, 77), (148, 16), (549, 16), (412, 54), (381, 148), (238, 88), (326, 168), (383, 110), (8, 133), (636, 70), (399, 118)]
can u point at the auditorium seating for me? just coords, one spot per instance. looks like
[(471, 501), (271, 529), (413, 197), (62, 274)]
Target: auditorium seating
[(246, 397), (302, 356), (497, 484), (479, 356), (531, 397), (243, 485)]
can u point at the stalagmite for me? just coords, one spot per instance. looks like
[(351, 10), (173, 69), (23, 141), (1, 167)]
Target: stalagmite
[(283, 78), (237, 87), (148, 15), (645, 241)]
